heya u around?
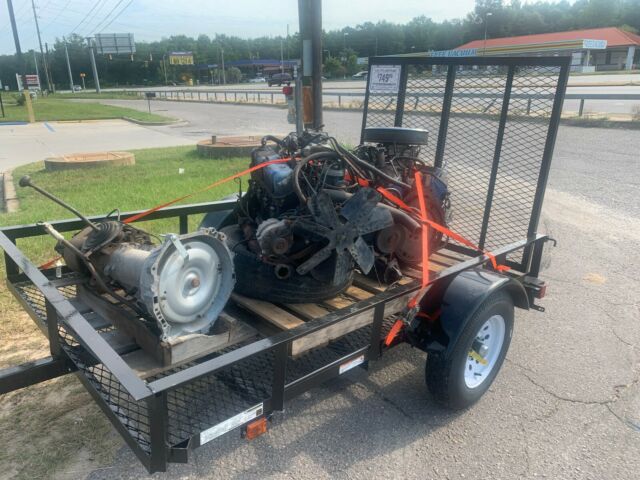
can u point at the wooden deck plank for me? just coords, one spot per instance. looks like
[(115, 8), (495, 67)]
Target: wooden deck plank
[(307, 310), (358, 293), (369, 284), (268, 311), (346, 326), (338, 302)]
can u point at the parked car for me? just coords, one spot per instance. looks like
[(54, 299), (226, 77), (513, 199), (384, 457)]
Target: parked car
[(360, 75), (280, 79), (257, 80)]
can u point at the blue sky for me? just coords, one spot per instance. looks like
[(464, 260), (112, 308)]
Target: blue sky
[(154, 19)]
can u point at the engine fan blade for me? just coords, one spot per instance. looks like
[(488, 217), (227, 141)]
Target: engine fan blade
[(315, 260), (362, 255), (379, 219), (357, 208), (323, 210)]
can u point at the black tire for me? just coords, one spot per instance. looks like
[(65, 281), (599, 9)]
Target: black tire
[(256, 279), (445, 376)]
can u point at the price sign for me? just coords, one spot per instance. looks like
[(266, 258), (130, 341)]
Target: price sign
[(385, 79)]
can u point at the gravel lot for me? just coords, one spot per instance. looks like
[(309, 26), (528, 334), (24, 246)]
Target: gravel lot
[(567, 401)]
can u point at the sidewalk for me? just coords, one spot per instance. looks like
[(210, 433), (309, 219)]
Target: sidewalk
[(21, 144)]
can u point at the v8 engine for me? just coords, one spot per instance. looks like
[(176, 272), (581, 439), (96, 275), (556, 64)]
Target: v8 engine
[(316, 211)]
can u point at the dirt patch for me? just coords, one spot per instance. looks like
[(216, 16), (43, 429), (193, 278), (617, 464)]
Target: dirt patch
[(49, 430)]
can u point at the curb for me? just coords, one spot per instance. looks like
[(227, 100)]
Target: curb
[(150, 124), (9, 198)]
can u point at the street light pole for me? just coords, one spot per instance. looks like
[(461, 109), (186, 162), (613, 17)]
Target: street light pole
[(224, 78), (344, 49), (281, 56), (486, 24)]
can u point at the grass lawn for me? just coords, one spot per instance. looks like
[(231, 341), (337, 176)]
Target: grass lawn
[(50, 109), (52, 429), (103, 95)]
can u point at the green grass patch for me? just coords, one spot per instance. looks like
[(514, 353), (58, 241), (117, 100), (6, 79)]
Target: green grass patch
[(99, 96), (50, 109)]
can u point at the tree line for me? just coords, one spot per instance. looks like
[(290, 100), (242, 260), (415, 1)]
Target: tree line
[(341, 47)]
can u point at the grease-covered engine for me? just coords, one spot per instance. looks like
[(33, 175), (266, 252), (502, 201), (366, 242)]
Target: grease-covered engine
[(316, 211)]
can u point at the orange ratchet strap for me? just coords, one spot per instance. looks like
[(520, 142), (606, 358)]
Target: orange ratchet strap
[(208, 187), (444, 230), (425, 243)]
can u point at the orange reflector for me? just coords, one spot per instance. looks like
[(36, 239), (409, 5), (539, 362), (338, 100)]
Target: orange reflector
[(256, 428), (542, 291)]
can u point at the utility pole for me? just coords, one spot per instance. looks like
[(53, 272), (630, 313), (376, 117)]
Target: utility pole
[(16, 39), (486, 25), (310, 15), (35, 62), (164, 67), (281, 56), (288, 56), (96, 79), (44, 59), (66, 54), (224, 78)]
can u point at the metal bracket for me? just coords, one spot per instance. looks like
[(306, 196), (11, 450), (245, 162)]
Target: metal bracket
[(173, 238)]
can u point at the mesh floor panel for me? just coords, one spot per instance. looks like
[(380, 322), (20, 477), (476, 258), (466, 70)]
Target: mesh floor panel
[(201, 403)]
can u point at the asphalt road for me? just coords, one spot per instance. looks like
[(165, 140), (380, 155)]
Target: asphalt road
[(353, 91), (567, 401)]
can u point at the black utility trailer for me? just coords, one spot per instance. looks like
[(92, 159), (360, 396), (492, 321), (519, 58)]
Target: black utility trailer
[(493, 122)]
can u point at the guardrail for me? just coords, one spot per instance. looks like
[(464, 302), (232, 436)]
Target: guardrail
[(338, 97)]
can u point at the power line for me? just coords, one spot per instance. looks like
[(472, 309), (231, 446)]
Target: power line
[(95, 5), (106, 17), (114, 18), (62, 10)]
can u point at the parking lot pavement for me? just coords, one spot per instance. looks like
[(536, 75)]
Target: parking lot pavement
[(567, 401), (22, 144)]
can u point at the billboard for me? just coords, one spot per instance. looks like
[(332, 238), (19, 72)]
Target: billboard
[(181, 58), (115, 43)]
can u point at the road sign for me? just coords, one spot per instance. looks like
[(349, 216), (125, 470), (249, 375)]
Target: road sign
[(33, 82), (181, 58), (594, 44), (115, 43)]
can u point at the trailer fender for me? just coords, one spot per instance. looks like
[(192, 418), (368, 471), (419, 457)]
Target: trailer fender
[(468, 290)]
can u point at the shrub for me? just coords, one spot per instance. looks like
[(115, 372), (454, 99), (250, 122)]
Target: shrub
[(19, 98)]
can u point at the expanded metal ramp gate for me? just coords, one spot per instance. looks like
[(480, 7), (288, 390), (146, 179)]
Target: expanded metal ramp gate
[(492, 123)]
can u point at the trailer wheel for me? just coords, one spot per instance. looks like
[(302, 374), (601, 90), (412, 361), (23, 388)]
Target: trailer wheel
[(459, 379)]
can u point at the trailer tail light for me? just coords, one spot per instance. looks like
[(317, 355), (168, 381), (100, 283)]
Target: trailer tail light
[(542, 291), (256, 428)]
